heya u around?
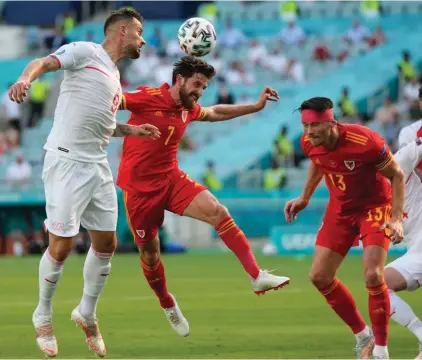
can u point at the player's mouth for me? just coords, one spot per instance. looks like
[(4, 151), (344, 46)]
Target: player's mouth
[(194, 98)]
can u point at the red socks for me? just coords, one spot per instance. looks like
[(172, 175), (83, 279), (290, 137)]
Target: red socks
[(156, 279), (236, 241), (379, 312), (342, 302)]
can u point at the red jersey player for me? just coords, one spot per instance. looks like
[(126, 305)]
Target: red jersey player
[(356, 164), (152, 181)]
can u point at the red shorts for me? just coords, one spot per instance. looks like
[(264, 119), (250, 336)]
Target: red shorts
[(340, 233), (145, 211)]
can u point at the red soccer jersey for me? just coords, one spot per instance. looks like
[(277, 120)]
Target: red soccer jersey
[(351, 169), (146, 164)]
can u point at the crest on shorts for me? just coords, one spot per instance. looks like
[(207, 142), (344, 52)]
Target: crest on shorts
[(350, 164), (141, 233), (185, 115)]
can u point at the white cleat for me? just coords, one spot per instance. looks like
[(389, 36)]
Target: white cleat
[(176, 319), (267, 281), (44, 333), (365, 347), (93, 336)]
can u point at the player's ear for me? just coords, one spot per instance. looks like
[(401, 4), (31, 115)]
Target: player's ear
[(180, 80), (123, 29)]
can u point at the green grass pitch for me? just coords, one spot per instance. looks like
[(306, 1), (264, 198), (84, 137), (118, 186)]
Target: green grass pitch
[(227, 319)]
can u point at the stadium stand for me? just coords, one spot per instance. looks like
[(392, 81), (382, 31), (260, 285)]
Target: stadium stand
[(241, 149)]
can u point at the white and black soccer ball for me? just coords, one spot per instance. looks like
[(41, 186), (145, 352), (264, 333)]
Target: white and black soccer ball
[(197, 37)]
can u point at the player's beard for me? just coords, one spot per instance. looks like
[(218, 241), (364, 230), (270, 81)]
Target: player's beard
[(134, 53), (187, 99)]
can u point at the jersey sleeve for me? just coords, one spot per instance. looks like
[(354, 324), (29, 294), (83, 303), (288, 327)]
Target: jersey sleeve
[(379, 152), (134, 101), (409, 156), (73, 56), (199, 113)]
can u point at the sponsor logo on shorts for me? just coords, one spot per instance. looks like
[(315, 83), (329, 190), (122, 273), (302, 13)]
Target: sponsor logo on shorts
[(350, 164), (63, 149), (140, 233), (58, 226)]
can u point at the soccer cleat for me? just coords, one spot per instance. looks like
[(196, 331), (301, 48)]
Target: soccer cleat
[(44, 334), (365, 347), (176, 319), (267, 281), (93, 336)]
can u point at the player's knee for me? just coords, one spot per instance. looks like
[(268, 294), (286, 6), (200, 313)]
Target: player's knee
[(103, 241), (374, 276), (320, 279), (149, 256), (216, 213), (59, 248)]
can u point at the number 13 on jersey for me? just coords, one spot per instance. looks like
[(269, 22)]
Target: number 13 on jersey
[(338, 181)]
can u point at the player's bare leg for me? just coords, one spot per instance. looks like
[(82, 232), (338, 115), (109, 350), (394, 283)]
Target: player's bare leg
[(323, 275), (206, 207), (154, 273), (50, 272), (401, 312), (374, 258), (97, 268)]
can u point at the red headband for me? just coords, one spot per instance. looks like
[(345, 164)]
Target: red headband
[(309, 116)]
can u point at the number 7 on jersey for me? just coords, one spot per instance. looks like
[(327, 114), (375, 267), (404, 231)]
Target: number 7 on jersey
[(171, 132)]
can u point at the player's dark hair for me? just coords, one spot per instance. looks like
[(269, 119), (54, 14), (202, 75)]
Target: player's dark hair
[(187, 66), (420, 93), (122, 14), (318, 104)]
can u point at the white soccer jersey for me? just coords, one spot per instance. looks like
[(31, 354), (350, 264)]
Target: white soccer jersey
[(90, 94), (408, 157), (407, 134)]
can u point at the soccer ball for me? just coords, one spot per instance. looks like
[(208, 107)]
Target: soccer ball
[(197, 37)]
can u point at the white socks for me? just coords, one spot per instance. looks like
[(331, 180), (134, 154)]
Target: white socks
[(96, 270), (380, 352), (363, 334), (50, 272), (403, 314)]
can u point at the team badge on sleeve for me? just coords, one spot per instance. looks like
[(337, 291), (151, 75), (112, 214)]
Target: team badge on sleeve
[(350, 164)]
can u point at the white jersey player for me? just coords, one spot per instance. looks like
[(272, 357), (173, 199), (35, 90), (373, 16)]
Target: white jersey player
[(405, 273), (79, 186)]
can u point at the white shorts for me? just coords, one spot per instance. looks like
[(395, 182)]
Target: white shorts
[(78, 193), (410, 267)]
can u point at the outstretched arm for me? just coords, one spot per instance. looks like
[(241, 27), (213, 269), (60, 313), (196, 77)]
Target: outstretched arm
[(227, 112), (142, 131), (33, 71)]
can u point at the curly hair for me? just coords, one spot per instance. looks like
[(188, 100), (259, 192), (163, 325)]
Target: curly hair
[(122, 14), (187, 66)]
